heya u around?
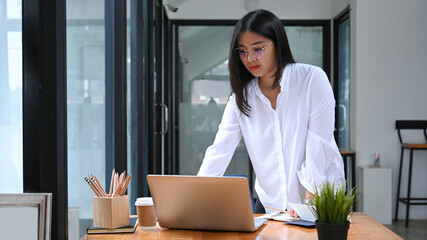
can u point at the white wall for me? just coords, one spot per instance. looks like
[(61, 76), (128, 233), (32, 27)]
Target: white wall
[(389, 82), (337, 6)]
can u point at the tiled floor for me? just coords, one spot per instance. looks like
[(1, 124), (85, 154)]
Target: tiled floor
[(417, 229)]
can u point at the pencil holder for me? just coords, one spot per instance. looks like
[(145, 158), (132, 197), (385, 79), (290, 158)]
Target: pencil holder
[(111, 212)]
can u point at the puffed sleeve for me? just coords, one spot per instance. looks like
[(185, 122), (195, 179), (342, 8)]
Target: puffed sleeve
[(323, 160), (219, 154)]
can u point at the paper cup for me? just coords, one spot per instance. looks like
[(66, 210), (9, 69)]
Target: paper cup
[(146, 213)]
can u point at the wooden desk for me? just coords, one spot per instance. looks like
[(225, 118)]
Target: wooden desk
[(362, 227)]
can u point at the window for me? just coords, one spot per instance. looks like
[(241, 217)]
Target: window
[(11, 179), (86, 108)]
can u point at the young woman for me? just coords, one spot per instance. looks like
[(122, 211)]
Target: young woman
[(283, 110)]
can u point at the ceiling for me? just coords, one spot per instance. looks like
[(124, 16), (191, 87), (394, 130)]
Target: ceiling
[(235, 9)]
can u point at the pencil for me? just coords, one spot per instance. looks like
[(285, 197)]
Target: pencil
[(99, 184), (118, 184), (95, 184), (112, 182), (125, 185), (116, 181), (121, 178), (275, 209), (93, 187), (117, 190)]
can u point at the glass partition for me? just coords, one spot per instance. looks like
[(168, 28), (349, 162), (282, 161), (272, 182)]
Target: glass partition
[(205, 88), (343, 80), (86, 108), (306, 43)]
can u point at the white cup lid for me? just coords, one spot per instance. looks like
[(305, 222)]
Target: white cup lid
[(144, 201)]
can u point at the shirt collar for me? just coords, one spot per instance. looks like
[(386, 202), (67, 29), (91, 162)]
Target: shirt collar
[(253, 86)]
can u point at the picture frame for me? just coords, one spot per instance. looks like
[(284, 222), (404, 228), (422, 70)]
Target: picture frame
[(41, 201)]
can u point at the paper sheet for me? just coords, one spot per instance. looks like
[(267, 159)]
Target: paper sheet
[(303, 211), (278, 216)]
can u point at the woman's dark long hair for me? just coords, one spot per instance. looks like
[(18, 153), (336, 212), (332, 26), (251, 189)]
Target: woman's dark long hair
[(266, 24)]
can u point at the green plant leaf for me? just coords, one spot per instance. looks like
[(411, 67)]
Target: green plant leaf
[(333, 204)]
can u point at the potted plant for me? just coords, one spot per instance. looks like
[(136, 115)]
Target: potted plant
[(332, 207)]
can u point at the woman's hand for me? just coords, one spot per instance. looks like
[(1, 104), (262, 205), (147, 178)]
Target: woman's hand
[(292, 213), (308, 195)]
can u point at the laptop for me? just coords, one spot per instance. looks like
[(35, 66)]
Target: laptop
[(203, 203)]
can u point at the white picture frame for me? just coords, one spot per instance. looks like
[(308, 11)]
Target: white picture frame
[(41, 201)]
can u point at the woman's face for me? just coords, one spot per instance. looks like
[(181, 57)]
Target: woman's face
[(258, 54)]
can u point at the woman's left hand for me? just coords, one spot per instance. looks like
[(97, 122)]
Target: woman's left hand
[(292, 213), (308, 195)]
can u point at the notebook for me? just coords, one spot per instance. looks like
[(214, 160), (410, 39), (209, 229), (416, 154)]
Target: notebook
[(126, 229), (278, 216), (203, 203), (302, 223)]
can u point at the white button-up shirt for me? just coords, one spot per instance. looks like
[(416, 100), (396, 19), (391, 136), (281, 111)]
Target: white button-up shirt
[(292, 147)]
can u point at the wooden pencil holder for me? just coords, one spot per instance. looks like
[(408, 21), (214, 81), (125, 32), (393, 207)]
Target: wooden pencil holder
[(111, 212)]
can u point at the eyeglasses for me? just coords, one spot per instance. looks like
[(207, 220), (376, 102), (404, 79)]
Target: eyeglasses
[(256, 51)]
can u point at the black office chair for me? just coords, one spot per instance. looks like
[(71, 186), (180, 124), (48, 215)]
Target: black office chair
[(409, 125)]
